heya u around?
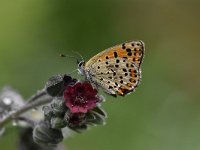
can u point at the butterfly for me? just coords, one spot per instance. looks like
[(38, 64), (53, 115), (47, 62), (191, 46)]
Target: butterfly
[(117, 70)]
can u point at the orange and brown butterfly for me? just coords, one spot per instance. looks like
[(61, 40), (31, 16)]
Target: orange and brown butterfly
[(117, 70)]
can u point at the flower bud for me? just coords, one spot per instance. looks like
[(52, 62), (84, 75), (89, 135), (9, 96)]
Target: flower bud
[(58, 123), (48, 113), (43, 134), (56, 84), (74, 119), (58, 106)]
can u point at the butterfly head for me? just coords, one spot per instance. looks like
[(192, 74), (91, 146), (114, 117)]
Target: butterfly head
[(81, 65)]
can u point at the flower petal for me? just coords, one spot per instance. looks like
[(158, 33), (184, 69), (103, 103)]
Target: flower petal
[(80, 97)]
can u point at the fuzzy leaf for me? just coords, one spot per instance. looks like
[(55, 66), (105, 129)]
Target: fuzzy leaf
[(99, 111), (97, 119), (79, 129)]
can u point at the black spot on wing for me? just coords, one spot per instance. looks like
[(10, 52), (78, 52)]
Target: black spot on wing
[(115, 54)]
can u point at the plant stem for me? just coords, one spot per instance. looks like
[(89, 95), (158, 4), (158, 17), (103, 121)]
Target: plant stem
[(35, 101), (39, 94), (30, 122)]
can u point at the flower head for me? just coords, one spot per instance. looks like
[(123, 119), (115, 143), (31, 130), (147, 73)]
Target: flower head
[(81, 97)]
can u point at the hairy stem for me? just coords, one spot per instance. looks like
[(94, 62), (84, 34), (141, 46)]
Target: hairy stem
[(39, 94), (35, 101), (30, 122)]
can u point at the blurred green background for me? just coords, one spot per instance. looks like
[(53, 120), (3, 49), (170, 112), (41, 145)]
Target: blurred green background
[(163, 113)]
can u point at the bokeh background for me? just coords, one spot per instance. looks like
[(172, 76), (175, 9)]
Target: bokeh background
[(163, 113)]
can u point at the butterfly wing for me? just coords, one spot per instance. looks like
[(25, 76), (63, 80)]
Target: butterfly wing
[(117, 69)]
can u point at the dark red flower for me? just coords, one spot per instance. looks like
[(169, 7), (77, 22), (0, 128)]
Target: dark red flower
[(80, 97)]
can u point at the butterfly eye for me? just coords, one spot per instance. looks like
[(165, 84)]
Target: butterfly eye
[(80, 64)]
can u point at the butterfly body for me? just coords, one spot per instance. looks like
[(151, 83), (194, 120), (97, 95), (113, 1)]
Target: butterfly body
[(117, 69)]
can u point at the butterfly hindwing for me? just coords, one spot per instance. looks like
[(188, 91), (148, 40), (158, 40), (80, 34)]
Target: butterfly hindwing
[(117, 69)]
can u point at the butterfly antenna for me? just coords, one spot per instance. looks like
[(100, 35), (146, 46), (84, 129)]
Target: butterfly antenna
[(64, 55), (72, 72), (77, 53)]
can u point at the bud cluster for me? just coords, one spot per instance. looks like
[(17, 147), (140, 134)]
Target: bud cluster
[(75, 105)]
